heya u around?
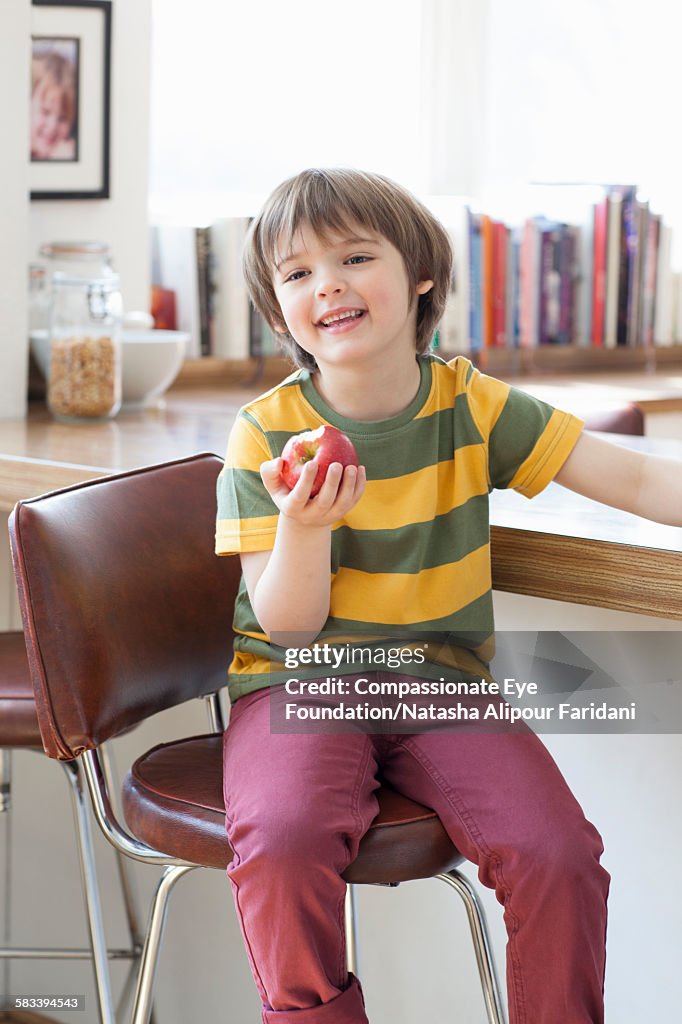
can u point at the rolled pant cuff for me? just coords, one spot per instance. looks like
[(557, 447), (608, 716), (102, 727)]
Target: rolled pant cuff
[(346, 1008)]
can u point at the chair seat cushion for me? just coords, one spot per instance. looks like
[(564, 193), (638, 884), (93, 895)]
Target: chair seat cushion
[(18, 718), (173, 801)]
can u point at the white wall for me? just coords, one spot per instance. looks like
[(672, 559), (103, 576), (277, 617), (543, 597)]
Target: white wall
[(121, 220), (14, 81)]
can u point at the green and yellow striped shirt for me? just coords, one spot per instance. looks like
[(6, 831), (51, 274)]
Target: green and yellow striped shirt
[(411, 561)]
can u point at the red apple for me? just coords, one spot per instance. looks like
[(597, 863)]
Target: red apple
[(322, 446)]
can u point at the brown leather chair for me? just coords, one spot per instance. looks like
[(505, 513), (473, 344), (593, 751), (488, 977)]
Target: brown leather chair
[(19, 730), (127, 612), (627, 419)]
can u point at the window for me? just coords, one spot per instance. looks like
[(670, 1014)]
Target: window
[(586, 91), (244, 95)]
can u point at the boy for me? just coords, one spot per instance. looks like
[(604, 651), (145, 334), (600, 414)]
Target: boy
[(353, 272)]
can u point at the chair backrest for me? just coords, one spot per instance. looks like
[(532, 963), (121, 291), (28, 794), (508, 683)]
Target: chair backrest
[(126, 608), (627, 419)]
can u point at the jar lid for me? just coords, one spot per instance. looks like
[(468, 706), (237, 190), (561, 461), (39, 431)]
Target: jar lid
[(75, 250), (110, 283)]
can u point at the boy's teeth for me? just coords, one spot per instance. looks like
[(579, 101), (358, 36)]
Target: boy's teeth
[(341, 316)]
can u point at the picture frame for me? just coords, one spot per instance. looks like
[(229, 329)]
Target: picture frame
[(70, 99)]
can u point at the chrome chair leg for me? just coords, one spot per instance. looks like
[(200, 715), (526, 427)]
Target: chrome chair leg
[(91, 891), (352, 956), (482, 946), (128, 891), (150, 953), (5, 809)]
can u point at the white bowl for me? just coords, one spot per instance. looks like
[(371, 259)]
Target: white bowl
[(150, 362)]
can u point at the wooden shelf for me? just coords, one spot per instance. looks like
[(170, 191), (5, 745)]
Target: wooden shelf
[(495, 361), (561, 359)]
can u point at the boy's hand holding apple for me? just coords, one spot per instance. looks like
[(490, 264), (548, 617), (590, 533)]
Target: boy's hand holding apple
[(317, 480)]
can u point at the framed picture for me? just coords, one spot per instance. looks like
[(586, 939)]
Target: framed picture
[(70, 99)]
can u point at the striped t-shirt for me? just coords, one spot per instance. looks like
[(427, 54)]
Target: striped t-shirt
[(410, 562)]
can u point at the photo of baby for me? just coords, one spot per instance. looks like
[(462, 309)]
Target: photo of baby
[(54, 99)]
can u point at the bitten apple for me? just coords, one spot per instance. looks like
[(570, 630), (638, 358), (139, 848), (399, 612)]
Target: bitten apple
[(322, 446)]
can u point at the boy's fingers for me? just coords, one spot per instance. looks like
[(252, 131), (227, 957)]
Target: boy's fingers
[(329, 491), (349, 481), (360, 482), (270, 470), (304, 484), (271, 475)]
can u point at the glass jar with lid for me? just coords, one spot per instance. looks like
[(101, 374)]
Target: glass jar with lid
[(80, 259), (84, 381)]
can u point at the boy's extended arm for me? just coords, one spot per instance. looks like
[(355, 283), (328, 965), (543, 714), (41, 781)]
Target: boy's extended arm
[(289, 586), (647, 485)]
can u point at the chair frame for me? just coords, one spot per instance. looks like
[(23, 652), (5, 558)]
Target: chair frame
[(65, 740), (176, 868), (97, 951)]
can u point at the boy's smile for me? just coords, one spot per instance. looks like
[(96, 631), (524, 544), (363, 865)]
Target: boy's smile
[(346, 299)]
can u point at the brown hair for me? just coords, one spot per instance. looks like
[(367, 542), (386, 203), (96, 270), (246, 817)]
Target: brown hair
[(332, 199)]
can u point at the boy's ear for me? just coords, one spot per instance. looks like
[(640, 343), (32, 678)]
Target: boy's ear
[(423, 287), (278, 325)]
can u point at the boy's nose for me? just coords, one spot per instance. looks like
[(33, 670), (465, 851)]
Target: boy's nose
[(330, 285)]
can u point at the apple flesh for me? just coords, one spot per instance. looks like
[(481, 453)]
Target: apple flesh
[(322, 446)]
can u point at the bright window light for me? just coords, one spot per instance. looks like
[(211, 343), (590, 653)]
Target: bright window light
[(244, 95)]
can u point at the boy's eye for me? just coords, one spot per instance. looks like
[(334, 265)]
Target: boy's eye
[(351, 258), (293, 276)]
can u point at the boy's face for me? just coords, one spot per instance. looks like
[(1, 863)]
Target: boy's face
[(50, 123), (356, 275)]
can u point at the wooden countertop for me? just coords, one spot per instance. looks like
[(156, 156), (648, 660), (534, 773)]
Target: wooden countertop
[(558, 545), (587, 392)]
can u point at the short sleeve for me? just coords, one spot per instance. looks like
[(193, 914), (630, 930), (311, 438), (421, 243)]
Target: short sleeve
[(246, 515), (528, 440)]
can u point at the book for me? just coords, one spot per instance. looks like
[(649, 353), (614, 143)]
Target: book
[(205, 291), (454, 325), (231, 313), (475, 283), (499, 284), (663, 318), (600, 232), (529, 284), (174, 262), (487, 264), (513, 289), (649, 280), (582, 279), (567, 273), (548, 314), (627, 274), (614, 202), (634, 308)]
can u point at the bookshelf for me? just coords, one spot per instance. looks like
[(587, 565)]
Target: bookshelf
[(582, 284)]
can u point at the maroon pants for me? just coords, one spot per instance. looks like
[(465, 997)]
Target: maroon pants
[(297, 806)]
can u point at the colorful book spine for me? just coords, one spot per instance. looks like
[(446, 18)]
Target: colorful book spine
[(476, 283), (514, 288), (649, 279), (566, 284), (529, 284), (488, 263), (499, 284), (628, 259), (599, 271), (613, 268)]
